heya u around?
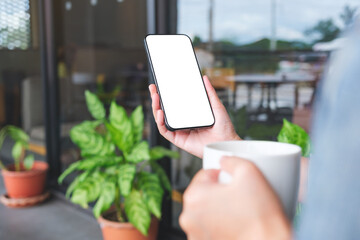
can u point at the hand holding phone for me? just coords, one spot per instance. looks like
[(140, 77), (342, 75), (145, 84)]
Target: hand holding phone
[(179, 83), (194, 140)]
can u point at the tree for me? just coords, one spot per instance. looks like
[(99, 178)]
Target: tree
[(326, 30), (348, 15), (196, 40)]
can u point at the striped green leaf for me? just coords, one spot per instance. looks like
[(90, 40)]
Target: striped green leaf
[(77, 181), (152, 191), (165, 182), (137, 121), (89, 141), (137, 212), (159, 152), (94, 105), (79, 196), (107, 197), (139, 153), (126, 177)]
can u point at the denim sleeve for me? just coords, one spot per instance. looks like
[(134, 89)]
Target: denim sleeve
[(332, 208)]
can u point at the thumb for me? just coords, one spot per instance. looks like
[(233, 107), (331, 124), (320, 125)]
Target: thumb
[(232, 164), (240, 168), (206, 176)]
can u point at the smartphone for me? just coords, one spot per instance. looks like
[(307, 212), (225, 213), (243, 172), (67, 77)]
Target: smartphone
[(178, 79)]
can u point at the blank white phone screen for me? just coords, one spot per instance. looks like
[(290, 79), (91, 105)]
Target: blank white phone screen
[(179, 81)]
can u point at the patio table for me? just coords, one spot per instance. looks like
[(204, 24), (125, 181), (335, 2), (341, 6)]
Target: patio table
[(272, 81)]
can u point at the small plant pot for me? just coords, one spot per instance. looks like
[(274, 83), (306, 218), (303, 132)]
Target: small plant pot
[(112, 230), (25, 183)]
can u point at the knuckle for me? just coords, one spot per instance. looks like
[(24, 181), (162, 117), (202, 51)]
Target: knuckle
[(187, 196), (184, 222), (249, 169), (191, 198)]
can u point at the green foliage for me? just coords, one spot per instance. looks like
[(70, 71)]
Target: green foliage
[(106, 198), (165, 182), (159, 152), (139, 153), (90, 141), (94, 105), (326, 29), (29, 161), (253, 130), (126, 177), (18, 151), (137, 121), (112, 169), (292, 133), (348, 15), (152, 191), (137, 211), (120, 128)]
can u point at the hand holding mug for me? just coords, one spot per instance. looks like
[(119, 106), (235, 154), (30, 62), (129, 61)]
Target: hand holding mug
[(245, 208)]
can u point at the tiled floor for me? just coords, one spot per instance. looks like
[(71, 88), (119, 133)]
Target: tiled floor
[(52, 220)]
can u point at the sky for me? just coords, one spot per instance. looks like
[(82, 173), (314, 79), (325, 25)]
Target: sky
[(245, 21)]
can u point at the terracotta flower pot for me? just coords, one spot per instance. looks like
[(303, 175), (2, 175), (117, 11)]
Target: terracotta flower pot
[(114, 230), (26, 183)]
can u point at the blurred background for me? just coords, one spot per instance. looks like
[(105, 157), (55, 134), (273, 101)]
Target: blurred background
[(265, 58)]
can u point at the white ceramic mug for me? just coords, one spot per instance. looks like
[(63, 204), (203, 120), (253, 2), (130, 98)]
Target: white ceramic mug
[(279, 162)]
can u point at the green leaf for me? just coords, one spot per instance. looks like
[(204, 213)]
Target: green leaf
[(294, 134), (137, 120), (99, 161), (77, 181), (106, 198), (18, 135), (159, 152), (29, 161), (137, 212), (139, 153), (17, 150), (120, 128), (69, 170), (89, 141), (118, 117), (126, 177), (93, 189), (79, 196), (152, 191), (95, 106), (162, 175)]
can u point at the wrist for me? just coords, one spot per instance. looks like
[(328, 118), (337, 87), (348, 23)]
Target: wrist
[(277, 228), (274, 228)]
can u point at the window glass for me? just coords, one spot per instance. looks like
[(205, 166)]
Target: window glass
[(15, 32), (21, 92), (101, 50), (264, 58)]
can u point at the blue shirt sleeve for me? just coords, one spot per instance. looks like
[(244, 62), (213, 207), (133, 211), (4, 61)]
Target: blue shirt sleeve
[(332, 207)]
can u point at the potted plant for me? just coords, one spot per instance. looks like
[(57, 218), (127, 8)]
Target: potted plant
[(25, 178), (118, 171)]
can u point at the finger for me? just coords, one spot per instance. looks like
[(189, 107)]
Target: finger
[(160, 122), (231, 164), (155, 99), (213, 97), (152, 89), (240, 168), (160, 118), (206, 176)]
